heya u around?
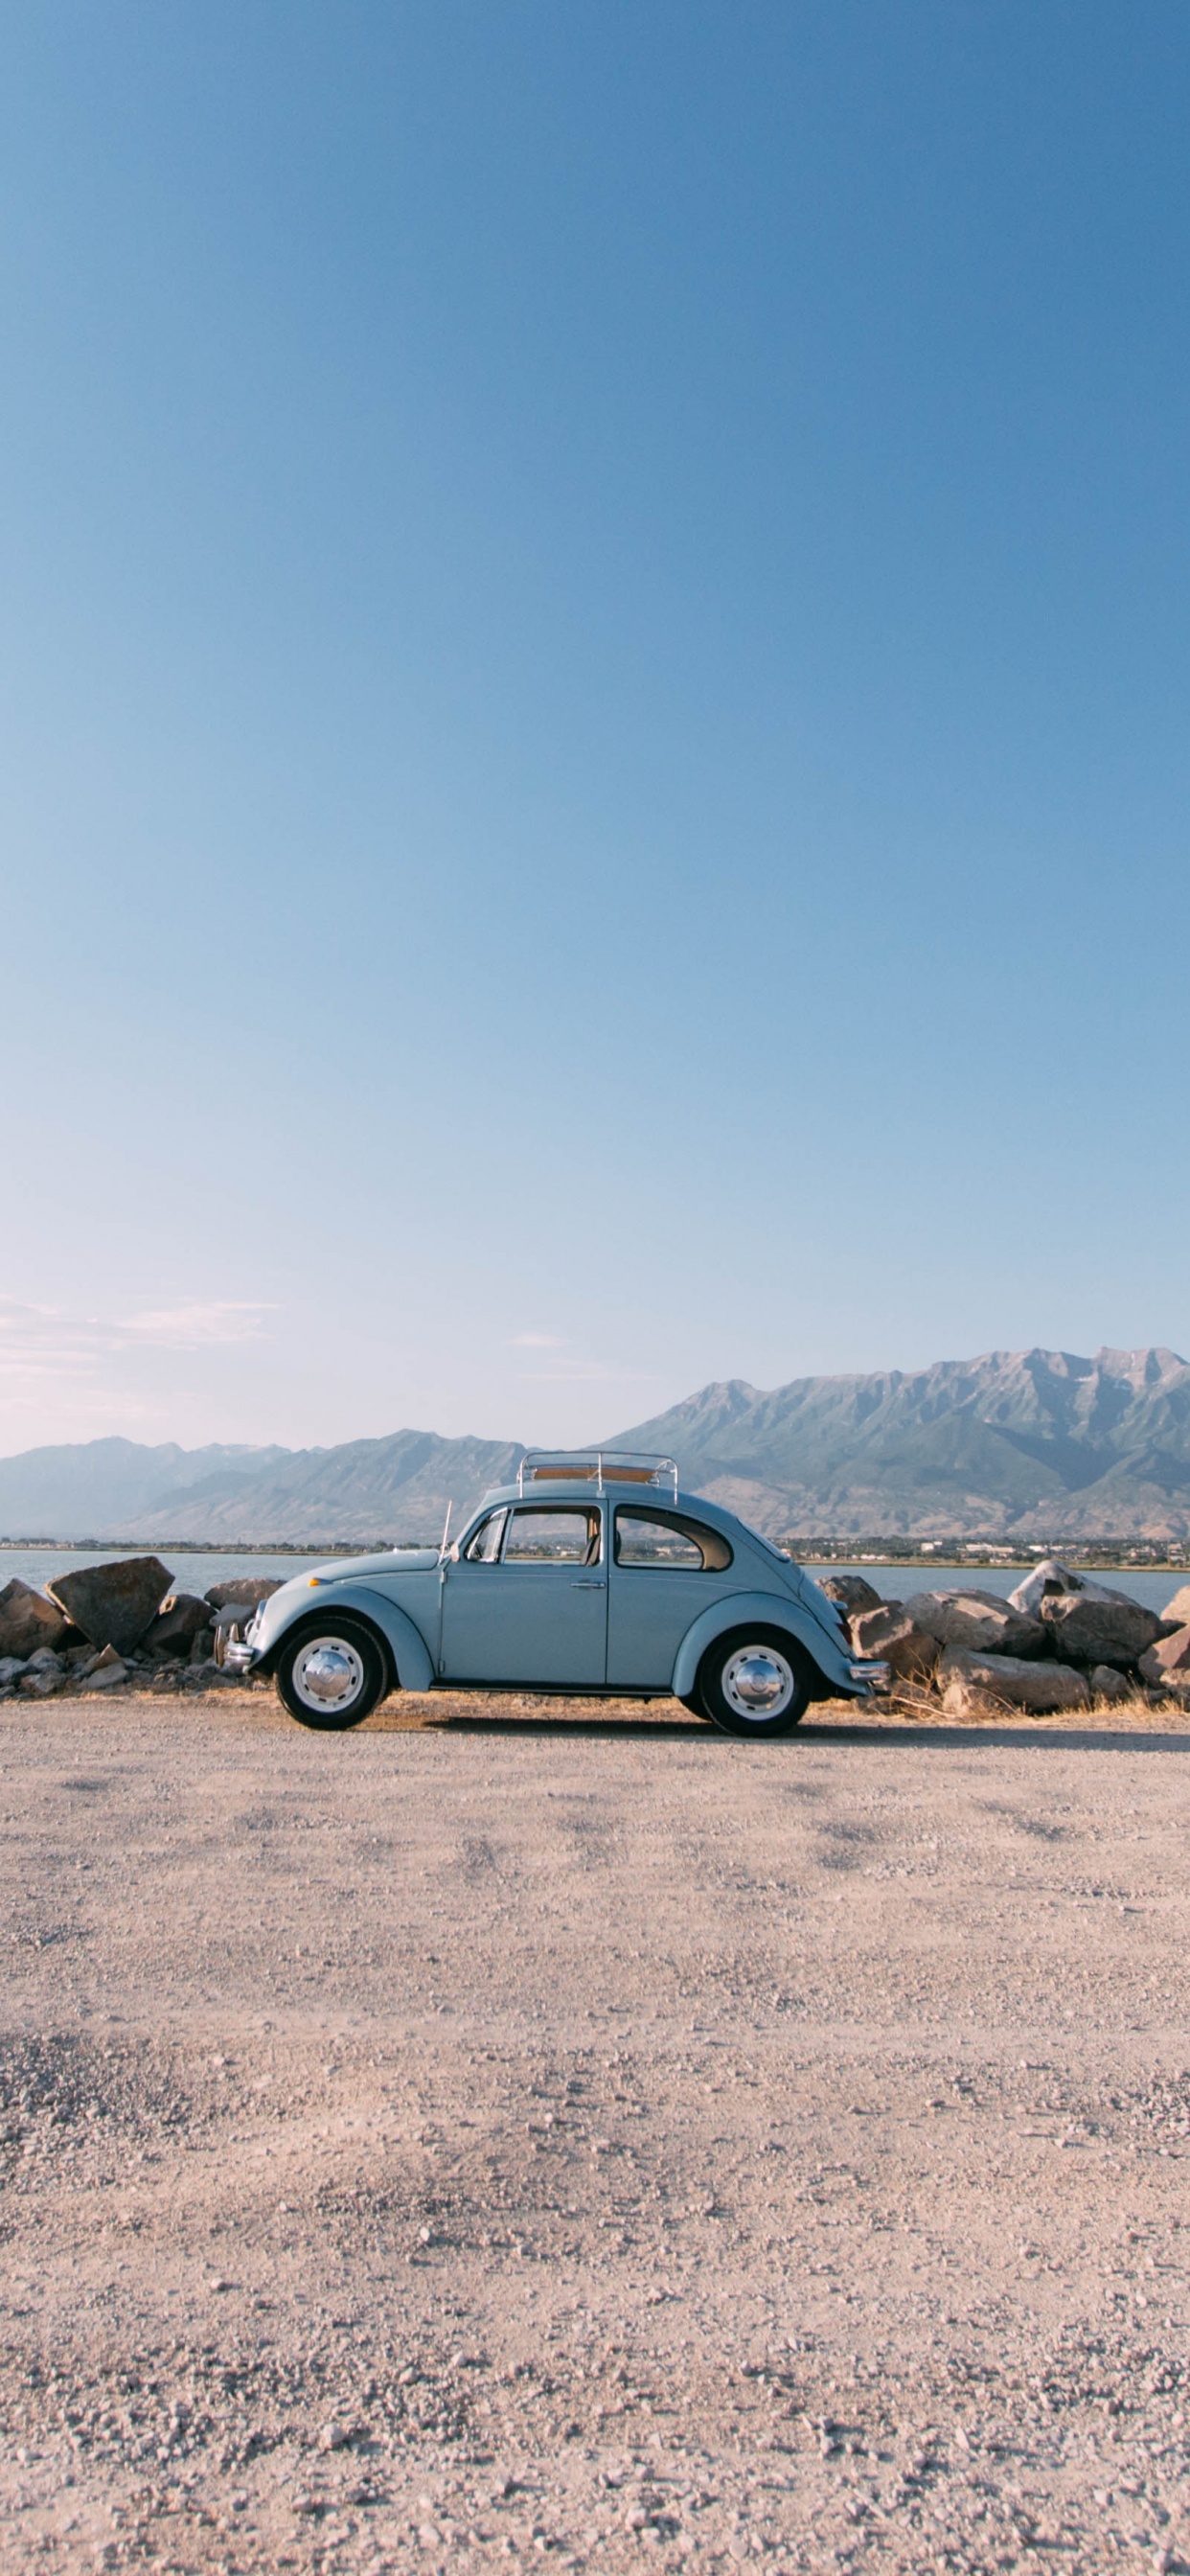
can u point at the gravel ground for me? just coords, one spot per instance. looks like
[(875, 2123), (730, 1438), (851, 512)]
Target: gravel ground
[(586, 2139)]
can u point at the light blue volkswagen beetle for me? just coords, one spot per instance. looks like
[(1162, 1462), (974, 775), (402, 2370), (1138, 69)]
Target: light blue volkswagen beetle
[(591, 1575)]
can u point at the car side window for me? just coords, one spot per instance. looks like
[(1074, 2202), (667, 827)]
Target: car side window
[(559, 1535), (484, 1548), (669, 1542)]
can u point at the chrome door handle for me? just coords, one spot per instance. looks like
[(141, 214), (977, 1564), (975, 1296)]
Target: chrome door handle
[(588, 1583)]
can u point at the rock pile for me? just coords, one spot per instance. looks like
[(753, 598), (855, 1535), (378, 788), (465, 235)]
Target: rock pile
[(1058, 1642), (121, 1623)]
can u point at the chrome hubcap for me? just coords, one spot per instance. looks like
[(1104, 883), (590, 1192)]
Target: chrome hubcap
[(757, 1682), (328, 1673)]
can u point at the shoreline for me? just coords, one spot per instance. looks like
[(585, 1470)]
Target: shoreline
[(963, 1556)]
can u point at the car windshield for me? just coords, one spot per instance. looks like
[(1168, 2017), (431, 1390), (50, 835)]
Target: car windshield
[(484, 1547)]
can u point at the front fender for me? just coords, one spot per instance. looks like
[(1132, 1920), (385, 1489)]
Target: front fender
[(768, 1610), (411, 1657)]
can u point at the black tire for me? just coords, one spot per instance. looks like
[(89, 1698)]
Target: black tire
[(783, 1678), (362, 1677)]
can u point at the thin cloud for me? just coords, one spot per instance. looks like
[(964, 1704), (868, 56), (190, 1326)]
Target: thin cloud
[(90, 1364), (38, 1342), (537, 1342), (190, 1328)]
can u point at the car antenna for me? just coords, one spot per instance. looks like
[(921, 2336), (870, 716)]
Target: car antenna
[(445, 1534)]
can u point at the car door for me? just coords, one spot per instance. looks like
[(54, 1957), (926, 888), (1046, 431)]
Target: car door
[(666, 1568), (527, 1602)]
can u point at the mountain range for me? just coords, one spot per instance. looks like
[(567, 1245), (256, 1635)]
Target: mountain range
[(1017, 1444), (1020, 1444)]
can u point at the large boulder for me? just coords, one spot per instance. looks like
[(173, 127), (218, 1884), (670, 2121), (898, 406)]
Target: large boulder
[(1050, 1578), (1166, 1663), (114, 1604), (1176, 1613), (1044, 1579), (1100, 1628), (28, 1620), (889, 1632), (181, 1619), (243, 1593), (851, 1592), (982, 1621), (967, 1682)]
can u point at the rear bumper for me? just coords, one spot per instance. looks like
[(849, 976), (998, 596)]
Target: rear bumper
[(871, 1679)]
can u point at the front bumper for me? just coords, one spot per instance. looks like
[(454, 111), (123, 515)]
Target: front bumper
[(233, 1653), (872, 1678)]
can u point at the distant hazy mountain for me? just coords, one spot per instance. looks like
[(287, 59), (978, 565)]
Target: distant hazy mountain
[(394, 1488), (99, 1487), (1022, 1444)]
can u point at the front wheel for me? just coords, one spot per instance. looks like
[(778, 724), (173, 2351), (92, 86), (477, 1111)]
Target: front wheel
[(332, 1677), (756, 1682)]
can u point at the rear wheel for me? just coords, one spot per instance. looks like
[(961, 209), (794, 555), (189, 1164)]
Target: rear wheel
[(332, 1676), (757, 1681)]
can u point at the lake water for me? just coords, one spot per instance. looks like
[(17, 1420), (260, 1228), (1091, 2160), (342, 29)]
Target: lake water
[(193, 1573), (1154, 1585)]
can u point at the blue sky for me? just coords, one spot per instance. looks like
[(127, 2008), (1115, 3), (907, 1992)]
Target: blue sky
[(594, 637)]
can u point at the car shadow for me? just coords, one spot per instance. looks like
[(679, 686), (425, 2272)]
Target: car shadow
[(483, 1715), (486, 1717)]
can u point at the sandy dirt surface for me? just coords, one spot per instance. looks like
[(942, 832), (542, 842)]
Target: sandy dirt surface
[(591, 2141)]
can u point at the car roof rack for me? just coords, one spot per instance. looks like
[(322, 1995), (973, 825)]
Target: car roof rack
[(598, 1467)]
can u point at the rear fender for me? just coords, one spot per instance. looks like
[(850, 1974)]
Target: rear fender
[(761, 1610), (409, 1656)]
